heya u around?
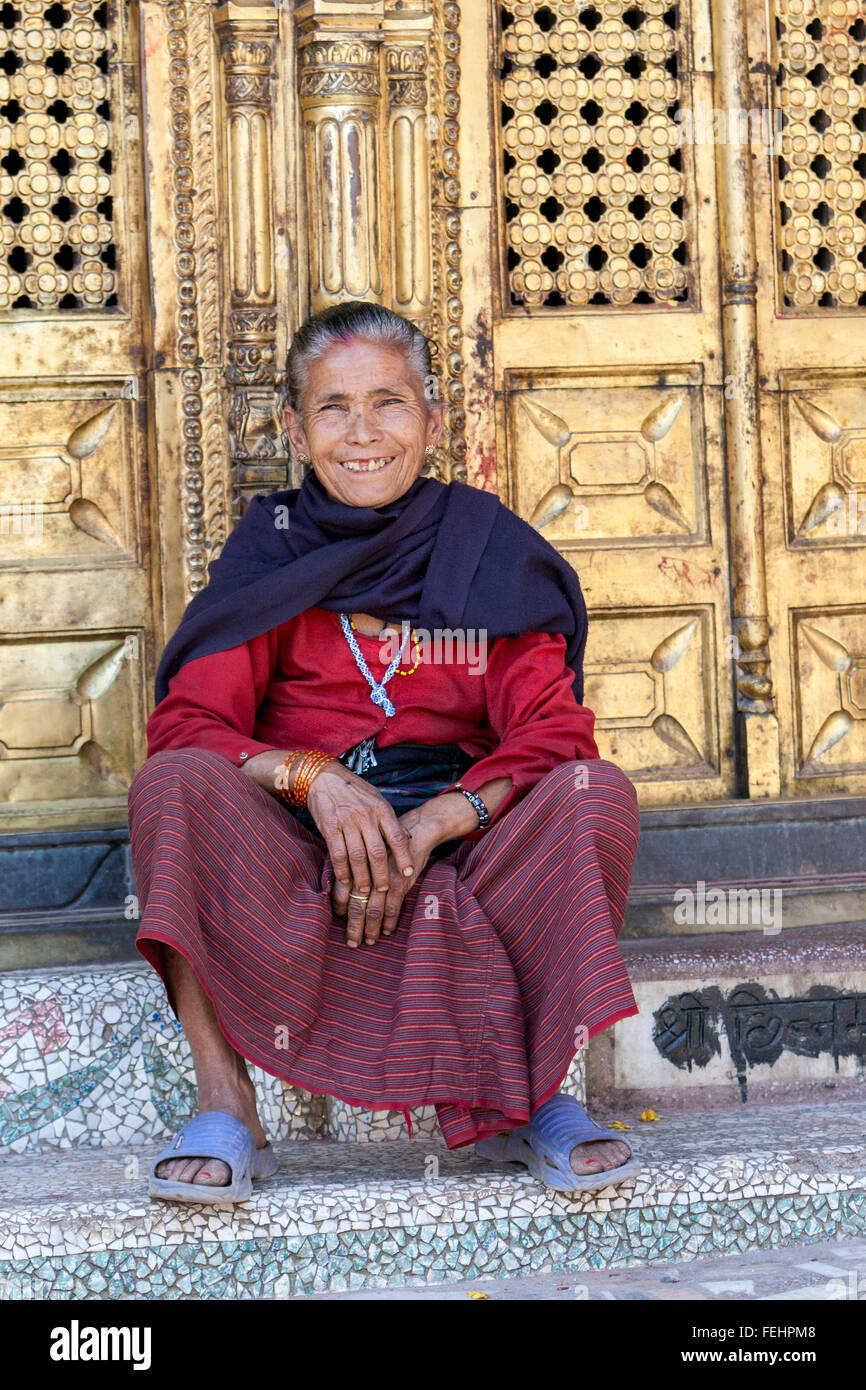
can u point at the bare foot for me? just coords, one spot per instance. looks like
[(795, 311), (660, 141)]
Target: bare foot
[(597, 1155), (238, 1099)]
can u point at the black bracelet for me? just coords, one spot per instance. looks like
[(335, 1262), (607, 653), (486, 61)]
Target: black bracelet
[(475, 800)]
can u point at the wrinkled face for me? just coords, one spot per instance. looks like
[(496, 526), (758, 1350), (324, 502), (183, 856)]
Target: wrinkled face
[(364, 422)]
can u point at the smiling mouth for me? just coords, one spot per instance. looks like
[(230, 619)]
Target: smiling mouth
[(372, 465)]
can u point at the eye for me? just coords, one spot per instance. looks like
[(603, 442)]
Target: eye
[(392, 400)]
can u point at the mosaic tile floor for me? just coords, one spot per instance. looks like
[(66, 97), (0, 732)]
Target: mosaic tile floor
[(826, 1271), (351, 1215)]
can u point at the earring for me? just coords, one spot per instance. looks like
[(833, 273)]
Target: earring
[(430, 451), (302, 458)]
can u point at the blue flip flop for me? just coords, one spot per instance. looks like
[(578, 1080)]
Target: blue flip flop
[(545, 1145), (214, 1134)]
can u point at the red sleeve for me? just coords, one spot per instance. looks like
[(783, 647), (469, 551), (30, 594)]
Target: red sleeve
[(212, 702), (532, 709)]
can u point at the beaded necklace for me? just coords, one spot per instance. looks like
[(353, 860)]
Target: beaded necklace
[(418, 653), (363, 756), (379, 695)]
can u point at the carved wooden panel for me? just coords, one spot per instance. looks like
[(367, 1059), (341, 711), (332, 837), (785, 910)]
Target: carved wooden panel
[(829, 658), (824, 443), (820, 90), (71, 718), (57, 147), (65, 500), (652, 680), (592, 163), (600, 461)]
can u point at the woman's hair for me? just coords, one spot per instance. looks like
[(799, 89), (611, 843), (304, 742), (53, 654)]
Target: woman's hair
[(342, 323)]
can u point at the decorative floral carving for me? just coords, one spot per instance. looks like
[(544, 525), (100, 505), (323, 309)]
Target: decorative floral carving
[(204, 467)]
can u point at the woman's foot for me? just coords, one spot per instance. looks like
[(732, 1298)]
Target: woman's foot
[(551, 1147), (235, 1097), (223, 1080), (238, 1099), (597, 1155)]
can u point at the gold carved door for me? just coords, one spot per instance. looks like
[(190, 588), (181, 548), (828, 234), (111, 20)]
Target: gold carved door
[(810, 209), (606, 394), (75, 500), (633, 231)]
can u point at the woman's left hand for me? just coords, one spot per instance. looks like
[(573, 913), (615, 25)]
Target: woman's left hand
[(383, 909), (445, 817)]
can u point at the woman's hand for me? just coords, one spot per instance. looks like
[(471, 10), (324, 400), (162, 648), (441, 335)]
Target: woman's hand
[(360, 828), (378, 916), (443, 817)]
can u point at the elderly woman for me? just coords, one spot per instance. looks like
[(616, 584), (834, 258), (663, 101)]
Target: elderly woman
[(377, 852)]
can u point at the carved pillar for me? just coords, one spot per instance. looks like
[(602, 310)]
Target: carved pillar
[(446, 331), (248, 36), (180, 132), (378, 91), (409, 163), (756, 717), (340, 95)]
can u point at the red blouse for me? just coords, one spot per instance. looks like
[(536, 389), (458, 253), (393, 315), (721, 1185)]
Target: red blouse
[(297, 686)]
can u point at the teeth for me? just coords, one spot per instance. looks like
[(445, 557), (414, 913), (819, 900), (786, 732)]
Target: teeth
[(365, 465)]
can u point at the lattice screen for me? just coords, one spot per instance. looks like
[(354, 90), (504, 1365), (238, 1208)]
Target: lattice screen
[(591, 150), (56, 246), (821, 93)]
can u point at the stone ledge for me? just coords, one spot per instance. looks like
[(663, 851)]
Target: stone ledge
[(341, 1216), (737, 1019), (93, 1056)]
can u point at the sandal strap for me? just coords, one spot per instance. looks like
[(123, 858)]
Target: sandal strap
[(560, 1124), (214, 1134)]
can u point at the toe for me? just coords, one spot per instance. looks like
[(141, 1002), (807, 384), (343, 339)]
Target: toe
[(598, 1155), (584, 1159), (213, 1173), (206, 1171)]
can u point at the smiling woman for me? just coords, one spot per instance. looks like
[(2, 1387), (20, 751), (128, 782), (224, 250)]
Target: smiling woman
[(359, 412), (332, 843)]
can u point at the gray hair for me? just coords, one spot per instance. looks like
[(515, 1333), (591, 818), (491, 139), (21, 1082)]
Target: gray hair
[(343, 322)]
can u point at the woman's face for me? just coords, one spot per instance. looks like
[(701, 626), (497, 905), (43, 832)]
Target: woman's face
[(364, 422)]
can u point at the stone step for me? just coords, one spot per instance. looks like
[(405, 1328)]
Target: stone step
[(737, 1017), (93, 1056), (77, 1224)]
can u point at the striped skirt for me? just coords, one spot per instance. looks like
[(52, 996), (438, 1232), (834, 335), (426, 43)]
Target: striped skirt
[(504, 962)]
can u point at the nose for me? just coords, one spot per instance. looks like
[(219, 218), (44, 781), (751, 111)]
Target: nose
[(361, 425)]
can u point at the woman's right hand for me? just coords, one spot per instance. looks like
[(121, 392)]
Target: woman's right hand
[(359, 828)]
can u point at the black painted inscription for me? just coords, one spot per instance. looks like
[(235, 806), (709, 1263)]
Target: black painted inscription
[(759, 1026)]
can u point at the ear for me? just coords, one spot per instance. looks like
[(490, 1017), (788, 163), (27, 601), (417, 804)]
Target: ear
[(436, 424), (295, 430)]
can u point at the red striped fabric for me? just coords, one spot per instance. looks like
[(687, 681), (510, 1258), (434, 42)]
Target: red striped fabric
[(504, 949)]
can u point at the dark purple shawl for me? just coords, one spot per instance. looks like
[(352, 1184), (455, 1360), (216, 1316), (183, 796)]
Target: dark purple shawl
[(442, 556)]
